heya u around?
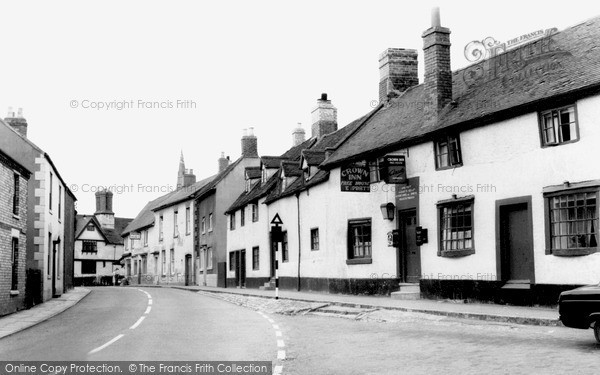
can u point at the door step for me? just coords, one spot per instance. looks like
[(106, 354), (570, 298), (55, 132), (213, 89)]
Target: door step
[(269, 285), (407, 291), (517, 284)]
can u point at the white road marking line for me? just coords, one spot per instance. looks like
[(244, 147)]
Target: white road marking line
[(105, 345), (278, 333), (277, 370), (280, 343), (281, 354), (275, 326), (140, 320), (148, 310), (150, 301)]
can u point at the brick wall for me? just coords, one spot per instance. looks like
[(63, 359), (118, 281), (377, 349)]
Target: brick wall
[(398, 70), (12, 226), (438, 75)]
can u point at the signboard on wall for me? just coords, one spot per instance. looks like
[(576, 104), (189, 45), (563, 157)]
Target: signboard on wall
[(355, 177), (407, 196), (134, 236), (395, 169)]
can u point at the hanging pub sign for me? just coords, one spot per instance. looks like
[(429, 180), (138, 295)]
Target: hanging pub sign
[(355, 177), (394, 169)]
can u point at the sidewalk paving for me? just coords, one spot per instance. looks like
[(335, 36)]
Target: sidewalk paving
[(542, 316), (24, 319)]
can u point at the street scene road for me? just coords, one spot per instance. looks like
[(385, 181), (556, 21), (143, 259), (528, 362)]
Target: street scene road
[(180, 325)]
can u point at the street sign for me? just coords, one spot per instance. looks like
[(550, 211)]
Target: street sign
[(277, 220)]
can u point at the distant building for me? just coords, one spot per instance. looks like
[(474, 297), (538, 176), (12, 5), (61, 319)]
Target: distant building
[(159, 242), (48, 199), (98, 244), (13, 234)]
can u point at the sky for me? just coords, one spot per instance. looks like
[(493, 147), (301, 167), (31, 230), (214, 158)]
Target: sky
[(214, 68)]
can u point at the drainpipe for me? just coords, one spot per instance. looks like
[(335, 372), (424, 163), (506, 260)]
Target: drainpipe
[(299, 242)]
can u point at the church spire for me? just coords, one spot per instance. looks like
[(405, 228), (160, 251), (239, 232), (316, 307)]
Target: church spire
[(181, 172)]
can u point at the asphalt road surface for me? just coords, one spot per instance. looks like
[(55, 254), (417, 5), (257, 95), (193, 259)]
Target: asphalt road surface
[(180, 325)]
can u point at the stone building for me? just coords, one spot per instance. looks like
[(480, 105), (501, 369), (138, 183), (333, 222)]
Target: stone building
[(13, 234)]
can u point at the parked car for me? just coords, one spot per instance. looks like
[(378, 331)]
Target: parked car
[(580, 308)]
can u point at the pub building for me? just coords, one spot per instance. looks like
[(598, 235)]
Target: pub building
[(478, 194)]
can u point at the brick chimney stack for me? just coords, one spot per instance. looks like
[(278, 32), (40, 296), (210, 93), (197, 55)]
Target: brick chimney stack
[(249, 144), (298, 135), (17, 121), (223, 162), (104, 213), (397, 72), (438, 75), (324, 117)]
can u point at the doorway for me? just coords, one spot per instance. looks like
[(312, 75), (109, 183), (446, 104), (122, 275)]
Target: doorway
[(240, 268), (54, 251), (410, 253), (516, 242), (188, 269)]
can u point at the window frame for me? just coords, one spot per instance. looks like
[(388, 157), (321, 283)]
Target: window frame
[(210, 222), (232, 221), (209, 258), (175, 226), (232, 261), (578, 251), (351, 258), (50, 192), (188, 215), (255, 258), (163, 266), (17, 188), (87, 242), (312, 239), (436, 151), (255, 213), (14, 285), (160, 228), (285, 248), (541, 129), (172, 262), (242, 216), (203, 225), (470, 200)]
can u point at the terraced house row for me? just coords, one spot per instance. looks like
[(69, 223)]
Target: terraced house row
[(480, 183), (37, 221)]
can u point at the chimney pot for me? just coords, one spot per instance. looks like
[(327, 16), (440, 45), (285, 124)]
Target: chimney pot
[(435, 17), (324, 96)]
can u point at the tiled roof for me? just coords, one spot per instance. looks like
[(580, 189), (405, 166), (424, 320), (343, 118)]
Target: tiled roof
[(183, 194), (291, 168), (216, 179), (112, 236), (271, 161), (300, 184), (253, 172), (482, 95), (145, 217), (295, 152), (313, 157), (258, 191)]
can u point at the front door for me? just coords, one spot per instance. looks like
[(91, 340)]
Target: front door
[(516, 243), (410, 252), (54, 269), (243, 268), (188, 269)]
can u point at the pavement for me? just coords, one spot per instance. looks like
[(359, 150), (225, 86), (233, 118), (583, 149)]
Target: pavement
[(24, 319), (541, 316)]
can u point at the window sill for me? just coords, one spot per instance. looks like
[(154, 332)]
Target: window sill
[(456, 253), (16, 217), (14, 293), (449, 167), (359, 261), (572, 252)]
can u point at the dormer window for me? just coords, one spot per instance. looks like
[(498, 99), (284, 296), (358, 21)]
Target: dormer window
[(263, 178)]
